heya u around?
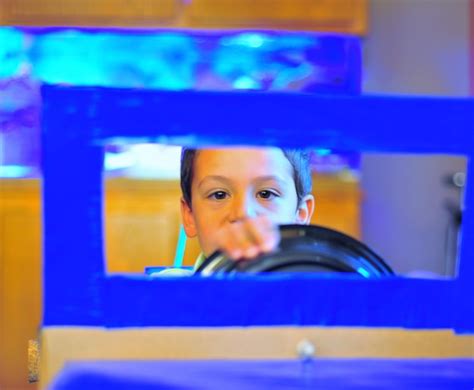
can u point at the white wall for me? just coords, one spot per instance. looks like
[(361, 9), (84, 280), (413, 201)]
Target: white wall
[(414, 47)]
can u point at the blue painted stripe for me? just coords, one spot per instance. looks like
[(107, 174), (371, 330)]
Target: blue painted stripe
[(328, 374), (307, 300), (353, 123)]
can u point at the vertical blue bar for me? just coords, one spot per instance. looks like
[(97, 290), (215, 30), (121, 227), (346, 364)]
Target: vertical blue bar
[(464, 307), (72, 212)]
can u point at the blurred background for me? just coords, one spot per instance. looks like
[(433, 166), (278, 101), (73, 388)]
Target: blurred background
[(408, 208)]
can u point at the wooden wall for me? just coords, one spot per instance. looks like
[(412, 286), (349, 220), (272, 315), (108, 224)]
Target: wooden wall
[(348, 16), (20, 278)]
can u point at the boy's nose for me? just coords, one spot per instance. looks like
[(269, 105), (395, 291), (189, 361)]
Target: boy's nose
[(243, 207)]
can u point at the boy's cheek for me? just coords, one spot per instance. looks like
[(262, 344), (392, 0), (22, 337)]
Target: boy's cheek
[(210, 208), (208, 243), (208, 233), (283, 215)]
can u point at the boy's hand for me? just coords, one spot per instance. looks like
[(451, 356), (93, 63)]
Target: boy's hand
[(249, 237)]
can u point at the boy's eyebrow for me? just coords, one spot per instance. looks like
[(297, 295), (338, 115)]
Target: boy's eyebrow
[(214, 177), (270, 178), (226, 180)]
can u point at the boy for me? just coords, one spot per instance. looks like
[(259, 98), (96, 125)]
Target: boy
[(235, 198)]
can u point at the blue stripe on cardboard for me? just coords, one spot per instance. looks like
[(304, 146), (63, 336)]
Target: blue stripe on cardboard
[(328, 374)]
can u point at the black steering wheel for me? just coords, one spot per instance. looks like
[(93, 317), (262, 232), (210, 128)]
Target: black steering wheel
[(305, 248)]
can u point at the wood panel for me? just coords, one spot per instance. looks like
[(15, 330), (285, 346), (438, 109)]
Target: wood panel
[(143, 217), (88, 12), (337, 204), (142, 223), (347, 16), (20, 279), (323, 15)]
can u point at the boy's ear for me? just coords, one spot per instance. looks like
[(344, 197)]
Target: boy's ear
[(188, 219), (305, 210)]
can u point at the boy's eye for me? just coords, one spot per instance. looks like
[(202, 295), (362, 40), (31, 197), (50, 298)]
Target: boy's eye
[(266, 194), (218, 195)]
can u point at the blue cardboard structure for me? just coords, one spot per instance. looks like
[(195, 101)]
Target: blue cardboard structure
[(78, 121)]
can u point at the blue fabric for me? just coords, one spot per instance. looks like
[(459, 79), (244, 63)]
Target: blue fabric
[(327, 374)]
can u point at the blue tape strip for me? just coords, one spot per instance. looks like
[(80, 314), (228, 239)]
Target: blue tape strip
[(369, 123), (279, 300), (328, 374)]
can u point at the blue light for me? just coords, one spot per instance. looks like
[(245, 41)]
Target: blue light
[(323, 152), (363, 272), (14, 171), (245, 83), (253, 40), (12, 52)]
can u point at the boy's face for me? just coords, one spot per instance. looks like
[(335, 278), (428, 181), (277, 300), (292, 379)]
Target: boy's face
[(235, 184)]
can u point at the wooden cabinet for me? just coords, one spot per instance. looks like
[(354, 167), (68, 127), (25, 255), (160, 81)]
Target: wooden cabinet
[(142, 223), (338, 204), (143, 220), (347, 16), (141, 228), (20, 278), (88, 12)]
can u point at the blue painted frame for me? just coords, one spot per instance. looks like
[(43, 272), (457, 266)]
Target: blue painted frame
[(78, 121)]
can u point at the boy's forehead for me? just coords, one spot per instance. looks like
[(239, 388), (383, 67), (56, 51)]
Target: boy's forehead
[(241, 161)]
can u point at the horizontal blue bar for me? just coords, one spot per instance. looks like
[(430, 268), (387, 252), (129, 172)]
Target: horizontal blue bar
[(353, 123), (302, 300), (327, 374)]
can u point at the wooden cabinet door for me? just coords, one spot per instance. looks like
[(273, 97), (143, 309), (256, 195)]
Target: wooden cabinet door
[(20, 279), (349, 16), (344, 16), (88, 12)]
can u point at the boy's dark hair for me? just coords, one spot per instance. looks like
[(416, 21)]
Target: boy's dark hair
[(298, 159)]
